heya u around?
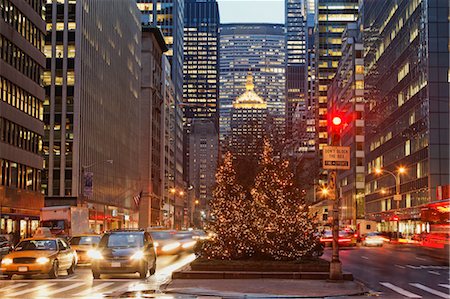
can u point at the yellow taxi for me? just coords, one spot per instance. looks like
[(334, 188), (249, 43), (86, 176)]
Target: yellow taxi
[(82, 244), (39, 256)]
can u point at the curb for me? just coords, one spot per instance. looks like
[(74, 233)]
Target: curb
[(255, 275), (237, 295)]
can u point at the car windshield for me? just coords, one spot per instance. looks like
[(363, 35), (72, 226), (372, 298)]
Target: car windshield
[(85, 240), (53, 224), (184, 235), (161, 235), (328, 233), (36, 245), (122, 240), (345, 233), (373, 235)]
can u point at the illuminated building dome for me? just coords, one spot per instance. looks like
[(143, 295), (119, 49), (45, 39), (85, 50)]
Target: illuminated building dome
[(249, 99), (248, 119)]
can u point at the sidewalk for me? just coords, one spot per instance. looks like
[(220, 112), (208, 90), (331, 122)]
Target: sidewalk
[(264, 288)]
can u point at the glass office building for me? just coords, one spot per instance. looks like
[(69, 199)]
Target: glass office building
[(200, 99), (259, 49), (407, 120), (332, 17), (296, 67)]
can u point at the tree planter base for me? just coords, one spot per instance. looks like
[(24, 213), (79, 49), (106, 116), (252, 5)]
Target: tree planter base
[(254, 269)]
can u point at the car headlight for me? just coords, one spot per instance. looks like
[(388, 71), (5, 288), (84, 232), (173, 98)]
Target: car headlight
[(7, 261), (42, 260), (95, 254), (188, 245), (137, 255), (156, 244), (170, 246)]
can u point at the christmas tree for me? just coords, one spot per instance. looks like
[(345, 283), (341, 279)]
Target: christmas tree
[(285, 230), (230, 221)]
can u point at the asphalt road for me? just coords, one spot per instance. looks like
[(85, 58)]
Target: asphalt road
[(397, 271), (82, 285)]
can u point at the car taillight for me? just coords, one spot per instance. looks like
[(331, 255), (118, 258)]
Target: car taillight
[(355, 235), (344, 240)]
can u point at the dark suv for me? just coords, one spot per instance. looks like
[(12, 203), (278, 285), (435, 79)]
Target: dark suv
[(124, 251)]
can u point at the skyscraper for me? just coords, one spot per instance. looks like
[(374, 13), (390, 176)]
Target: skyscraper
[(200, 98), (259, 48), (92, 84), (296, 67), (346, 95), (201, 42), (332, 17), (168, 16), (21, 128), (407, 119), (248, 123)]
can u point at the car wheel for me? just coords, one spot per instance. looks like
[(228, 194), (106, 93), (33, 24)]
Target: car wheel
[(96, 275), (144, 271), (54, 271), (71, 269)]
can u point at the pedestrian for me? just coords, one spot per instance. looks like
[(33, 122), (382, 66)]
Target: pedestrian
[(16, 237)]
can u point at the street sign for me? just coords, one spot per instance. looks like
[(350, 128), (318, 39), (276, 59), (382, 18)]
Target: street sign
[(88, 188), (336, 157), (397, 197)]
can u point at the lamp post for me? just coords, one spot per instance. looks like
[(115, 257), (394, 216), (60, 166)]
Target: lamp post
[(80, 199), (397, 196)]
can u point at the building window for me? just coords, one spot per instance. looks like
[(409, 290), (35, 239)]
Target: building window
[(407, 147)]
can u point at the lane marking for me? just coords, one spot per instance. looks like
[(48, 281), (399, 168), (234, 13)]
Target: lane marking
[(400, 290), (413, 267), (429, 290), (444, 285), (67, 280), (119, 288), (365, 257), (94, 289), (401, 267), (44, 286), (421, 258), (11, 287), (434, 272), (69, 287)]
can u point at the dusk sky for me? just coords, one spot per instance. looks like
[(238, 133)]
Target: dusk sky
[(251, 11)]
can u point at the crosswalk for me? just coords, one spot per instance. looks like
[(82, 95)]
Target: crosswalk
[(416, 290), (68, 289)]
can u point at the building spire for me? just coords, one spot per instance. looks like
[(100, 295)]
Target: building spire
[(249, 86)]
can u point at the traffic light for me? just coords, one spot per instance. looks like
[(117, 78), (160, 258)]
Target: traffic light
[(335, 125)]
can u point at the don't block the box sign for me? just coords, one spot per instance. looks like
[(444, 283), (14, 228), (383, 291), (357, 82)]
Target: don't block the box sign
[(336, 157)]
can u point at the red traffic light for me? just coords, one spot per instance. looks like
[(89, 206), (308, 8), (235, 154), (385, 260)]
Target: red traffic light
[(337, 121)]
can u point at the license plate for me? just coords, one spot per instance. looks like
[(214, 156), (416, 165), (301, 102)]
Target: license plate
[(22, 269), (115, 264)]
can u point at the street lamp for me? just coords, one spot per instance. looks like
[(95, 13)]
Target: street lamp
[(325, 191), (397, 196), (80, 199), (83, 169)]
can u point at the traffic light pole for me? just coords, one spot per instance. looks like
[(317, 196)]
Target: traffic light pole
[(335, 264)]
